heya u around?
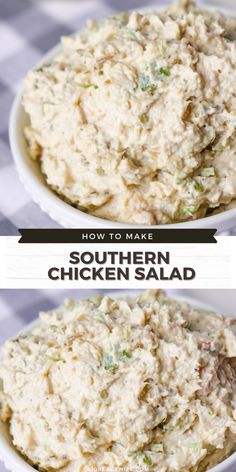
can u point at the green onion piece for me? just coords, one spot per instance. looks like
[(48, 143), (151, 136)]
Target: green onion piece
[(85, 86), (147, 460), (165, 71), (126, 354), (109, 363), (56, 359), (131, 35), (198, 187), (188, 210)]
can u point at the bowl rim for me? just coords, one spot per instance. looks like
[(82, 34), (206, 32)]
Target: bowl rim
[(51, 203), (14, 461)]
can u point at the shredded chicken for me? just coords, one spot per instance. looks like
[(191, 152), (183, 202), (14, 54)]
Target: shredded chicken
[(123, 384), (134, 120)]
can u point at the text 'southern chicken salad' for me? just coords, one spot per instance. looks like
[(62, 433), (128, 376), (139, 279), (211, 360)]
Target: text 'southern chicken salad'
[(135, 119), (142, 383)]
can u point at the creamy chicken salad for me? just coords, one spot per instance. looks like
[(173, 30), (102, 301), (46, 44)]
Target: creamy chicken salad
[(142, 383), (134, 120)]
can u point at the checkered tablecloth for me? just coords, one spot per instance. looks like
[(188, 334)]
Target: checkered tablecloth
[(29, 28)]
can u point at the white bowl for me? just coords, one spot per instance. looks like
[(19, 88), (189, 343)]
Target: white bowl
[(34, 182), (12, 459)]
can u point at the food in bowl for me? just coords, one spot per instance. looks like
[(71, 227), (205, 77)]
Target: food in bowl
[(140, 383), (134, 119)]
